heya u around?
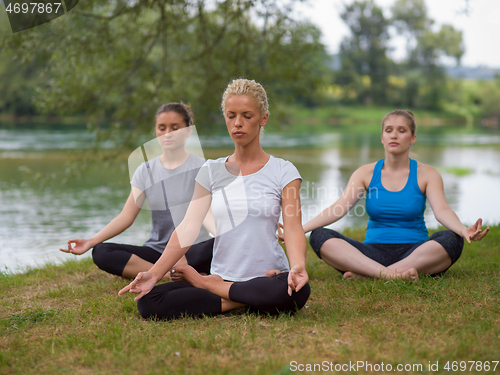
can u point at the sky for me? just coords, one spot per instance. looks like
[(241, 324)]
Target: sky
[(480, 28)]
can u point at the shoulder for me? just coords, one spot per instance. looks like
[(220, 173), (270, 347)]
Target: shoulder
[(429, 178), (141, 178), (211, 162), (365, 171), (284, 166), (153, 163), (362, 176), (210, 169), (282, 172), (427, 172), (282, 163), (143, 167), (367, 168), (196, 160)]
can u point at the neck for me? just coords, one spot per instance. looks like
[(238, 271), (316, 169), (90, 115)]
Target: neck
[(249, 153), (396, 162), (171, 159)]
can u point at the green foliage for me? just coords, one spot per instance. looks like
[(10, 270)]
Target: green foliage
[(473, 99), (417, 82), (425, 77), (364, 52), (410, 16), (18, 79), (119, 61)]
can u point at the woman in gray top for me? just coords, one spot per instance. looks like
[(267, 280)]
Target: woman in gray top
[(167, 183)]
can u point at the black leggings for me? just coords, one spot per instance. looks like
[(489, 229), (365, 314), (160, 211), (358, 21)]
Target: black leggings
[(262, 294), (112, 257), (387, 254)]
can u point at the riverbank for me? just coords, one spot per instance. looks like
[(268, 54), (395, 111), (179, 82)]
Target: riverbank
[(357, 119), (294, 118), (69, 319)]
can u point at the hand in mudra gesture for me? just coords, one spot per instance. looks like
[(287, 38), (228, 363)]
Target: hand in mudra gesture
[(142, 285), (475, 232)]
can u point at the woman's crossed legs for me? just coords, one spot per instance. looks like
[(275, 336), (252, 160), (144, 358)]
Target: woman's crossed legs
[(388, 261), (194, 295)]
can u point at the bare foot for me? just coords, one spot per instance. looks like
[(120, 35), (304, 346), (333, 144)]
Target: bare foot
[(189, 275), (213, 277), (349, 275), (271, 272), (410, 275)]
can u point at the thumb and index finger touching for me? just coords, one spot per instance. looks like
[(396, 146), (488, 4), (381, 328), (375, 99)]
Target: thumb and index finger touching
[(68, 250)]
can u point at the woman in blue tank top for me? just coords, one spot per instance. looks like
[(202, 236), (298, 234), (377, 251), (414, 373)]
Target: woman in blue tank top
[(396, 244)]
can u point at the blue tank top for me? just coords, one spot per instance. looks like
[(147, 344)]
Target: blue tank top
[(395, 216)]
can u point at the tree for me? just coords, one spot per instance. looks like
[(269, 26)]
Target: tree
[(118, 61), (425, 76), (411, 20), (363, 53)]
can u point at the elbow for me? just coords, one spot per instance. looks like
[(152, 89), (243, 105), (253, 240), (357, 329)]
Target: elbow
[(441, 214), (187, 234)]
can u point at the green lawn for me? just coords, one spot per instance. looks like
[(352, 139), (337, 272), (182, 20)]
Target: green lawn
[(69, 319)]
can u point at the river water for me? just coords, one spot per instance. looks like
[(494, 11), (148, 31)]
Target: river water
[(53, 187)]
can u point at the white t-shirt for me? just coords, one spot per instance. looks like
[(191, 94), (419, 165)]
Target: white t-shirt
[(246, 211), (168, 193)]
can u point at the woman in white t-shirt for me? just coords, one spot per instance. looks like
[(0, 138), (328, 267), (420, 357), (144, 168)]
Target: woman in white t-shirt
[(167, 183), (247, 191)]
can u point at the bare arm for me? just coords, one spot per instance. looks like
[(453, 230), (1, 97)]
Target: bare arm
[(294, 236), (180, 241), (352, 194), (116, 226), (209, 222), (444, 214)]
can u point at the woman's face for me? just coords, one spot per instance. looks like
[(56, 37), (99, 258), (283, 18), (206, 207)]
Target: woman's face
[(396, 135), (243, 119), (171, 130)]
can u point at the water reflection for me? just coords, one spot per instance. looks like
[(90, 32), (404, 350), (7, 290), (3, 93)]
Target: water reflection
[(35, 222)]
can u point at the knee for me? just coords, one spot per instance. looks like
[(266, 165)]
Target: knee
[(456, 247), (451, 242), (100, 254), (145, 307), (302, 296), (319, 236), (315, 239), (293, 303), (105, 258)]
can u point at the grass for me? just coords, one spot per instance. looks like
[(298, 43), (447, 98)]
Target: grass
[(69, 319)]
